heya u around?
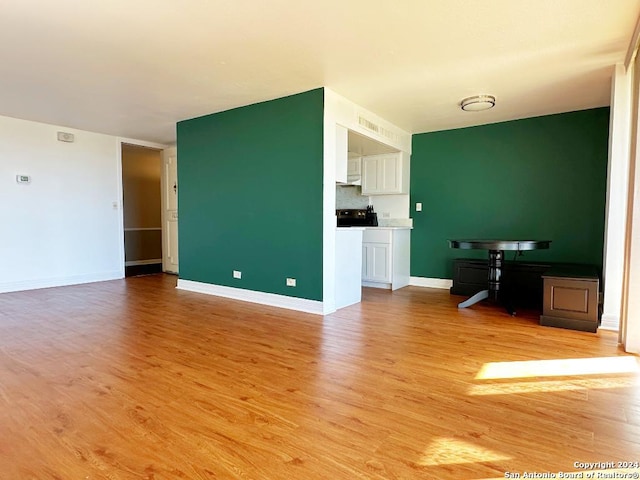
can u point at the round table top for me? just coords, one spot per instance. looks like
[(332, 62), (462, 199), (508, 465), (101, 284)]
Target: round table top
[(486, 244)]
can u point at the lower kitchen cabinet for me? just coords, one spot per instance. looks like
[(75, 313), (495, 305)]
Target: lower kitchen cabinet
[(376, 260), (385, 257)]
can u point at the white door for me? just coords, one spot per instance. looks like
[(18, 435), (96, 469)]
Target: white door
[(170, 211)]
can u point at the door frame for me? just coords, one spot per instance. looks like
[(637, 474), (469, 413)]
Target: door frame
[(166, 192), (138, 143)]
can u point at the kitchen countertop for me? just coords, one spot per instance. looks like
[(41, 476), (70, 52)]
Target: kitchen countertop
[(388, 228)]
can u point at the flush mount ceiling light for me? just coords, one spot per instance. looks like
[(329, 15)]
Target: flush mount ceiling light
[(478, 103)]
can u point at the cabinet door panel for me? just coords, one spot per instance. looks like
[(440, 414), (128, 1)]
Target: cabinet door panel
[(390, 178), (379, 268), (353, 167), (370, 181)]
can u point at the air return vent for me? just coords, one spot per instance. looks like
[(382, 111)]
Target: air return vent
[(374, 127)]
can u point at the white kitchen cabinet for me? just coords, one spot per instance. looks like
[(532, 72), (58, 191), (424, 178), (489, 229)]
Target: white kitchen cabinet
[(385, 174), (376, 260), (353, 166), (385, 257)]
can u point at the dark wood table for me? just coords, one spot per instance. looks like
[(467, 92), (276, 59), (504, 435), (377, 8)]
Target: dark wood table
[(496, 250)]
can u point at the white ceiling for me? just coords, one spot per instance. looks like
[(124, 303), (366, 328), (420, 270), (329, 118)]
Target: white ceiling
[(135, 68)]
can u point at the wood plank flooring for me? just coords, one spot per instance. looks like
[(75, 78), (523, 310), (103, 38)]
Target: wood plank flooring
[(134, 379)]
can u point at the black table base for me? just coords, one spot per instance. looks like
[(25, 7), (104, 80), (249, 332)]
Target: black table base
[(496, 250), (493, 293)]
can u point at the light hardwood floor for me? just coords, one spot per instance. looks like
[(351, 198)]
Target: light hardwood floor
[(134, 379)]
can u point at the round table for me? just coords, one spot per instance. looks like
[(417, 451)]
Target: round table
[(496, 250)]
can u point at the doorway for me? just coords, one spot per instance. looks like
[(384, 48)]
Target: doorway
[(142, 209)]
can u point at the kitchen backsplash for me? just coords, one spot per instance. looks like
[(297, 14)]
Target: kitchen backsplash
[(395, 222), (350, 196)]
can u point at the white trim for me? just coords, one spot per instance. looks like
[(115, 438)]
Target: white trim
[(142, 229), (168, 216), (271, 299), (133, 263), (431, 282), (119, 142), (385, 286), (617, 195), (633, 46), (610, 322), (59, 281), (142, 143)]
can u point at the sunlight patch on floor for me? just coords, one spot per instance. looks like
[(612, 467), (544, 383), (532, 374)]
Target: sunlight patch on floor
[(557, 368), (552, 386), (446, 451)]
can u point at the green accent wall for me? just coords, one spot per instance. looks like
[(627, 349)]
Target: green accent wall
[(250, 196), (537, 178)]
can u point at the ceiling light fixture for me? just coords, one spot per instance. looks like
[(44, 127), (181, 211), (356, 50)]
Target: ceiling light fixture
[(478, 103)]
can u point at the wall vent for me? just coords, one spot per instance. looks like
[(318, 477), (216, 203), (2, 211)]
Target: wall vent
[(374, 127)]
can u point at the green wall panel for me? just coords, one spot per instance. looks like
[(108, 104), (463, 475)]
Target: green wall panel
[(250, 196), (538, 178)]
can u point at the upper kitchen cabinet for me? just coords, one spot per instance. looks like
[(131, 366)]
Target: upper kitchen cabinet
[(361, 147), (351, 131), (385, 174), (353, 167)]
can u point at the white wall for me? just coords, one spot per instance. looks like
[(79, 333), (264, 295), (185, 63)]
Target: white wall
[(62, 228), (390, 206)]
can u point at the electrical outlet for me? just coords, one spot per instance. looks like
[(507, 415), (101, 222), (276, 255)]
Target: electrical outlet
[(291, 282), (237, 274), (386, 214), (418, 207)]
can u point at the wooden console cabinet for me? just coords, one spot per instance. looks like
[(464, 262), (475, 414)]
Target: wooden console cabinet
[(571, 298)]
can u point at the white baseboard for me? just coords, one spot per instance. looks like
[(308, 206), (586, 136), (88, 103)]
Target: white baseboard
[(385, 286), (263, 298), (59, 281), (609, 322), (134, 263), (431, 282)]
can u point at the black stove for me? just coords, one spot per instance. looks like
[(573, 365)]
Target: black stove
[(357, 217)]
